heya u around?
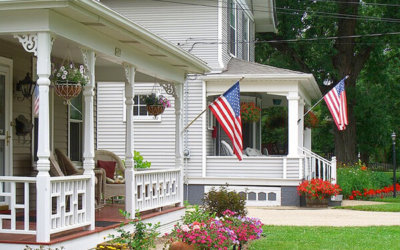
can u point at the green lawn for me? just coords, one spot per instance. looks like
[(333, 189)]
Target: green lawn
[(393, 206), (291, 237)]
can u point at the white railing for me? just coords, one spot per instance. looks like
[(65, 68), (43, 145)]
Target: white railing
[(316, 166), (157, 188), (69, 198), (17, 202)]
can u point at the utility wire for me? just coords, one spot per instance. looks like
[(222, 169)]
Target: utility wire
[(360, 3), (285, 11)]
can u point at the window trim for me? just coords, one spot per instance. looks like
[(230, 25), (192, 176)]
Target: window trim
[(139, 118), (235, 44), (78, 163), (246, 39)]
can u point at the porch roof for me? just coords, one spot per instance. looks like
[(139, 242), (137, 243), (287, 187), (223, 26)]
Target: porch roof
[(125, 34), (252, 71)]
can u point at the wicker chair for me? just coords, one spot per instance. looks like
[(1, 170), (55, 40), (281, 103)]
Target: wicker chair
[(111, 189), (64, 167)]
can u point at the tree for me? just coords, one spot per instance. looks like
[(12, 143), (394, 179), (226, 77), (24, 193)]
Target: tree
[(331, 58)]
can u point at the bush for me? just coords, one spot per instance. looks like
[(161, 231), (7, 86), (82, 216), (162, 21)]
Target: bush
[(196, 214), (139, 162), (358, 177), (218, 201)]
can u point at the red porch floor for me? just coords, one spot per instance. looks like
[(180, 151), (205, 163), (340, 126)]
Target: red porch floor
[(106, 218)]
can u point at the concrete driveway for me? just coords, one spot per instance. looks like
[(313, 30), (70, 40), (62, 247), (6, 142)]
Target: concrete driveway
[(295, 216)]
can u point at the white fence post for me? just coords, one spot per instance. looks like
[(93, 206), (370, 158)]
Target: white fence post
[(333, 170)]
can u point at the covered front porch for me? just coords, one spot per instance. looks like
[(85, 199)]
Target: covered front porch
[(45, 206), (270, 160)]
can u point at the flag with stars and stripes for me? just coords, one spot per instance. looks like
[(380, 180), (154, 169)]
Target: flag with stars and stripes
[(36, 102), (226, 110), (336, 101)]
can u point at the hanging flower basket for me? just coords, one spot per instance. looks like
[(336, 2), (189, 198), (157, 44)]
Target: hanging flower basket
[(68, 81), (156, 104), (250, 112), (67, 90), (155, 109)]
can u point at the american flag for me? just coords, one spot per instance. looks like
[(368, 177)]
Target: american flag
[(226, 110), (36, 102), (337, 104)]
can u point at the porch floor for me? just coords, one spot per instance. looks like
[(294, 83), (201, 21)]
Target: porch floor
[(107, 217)]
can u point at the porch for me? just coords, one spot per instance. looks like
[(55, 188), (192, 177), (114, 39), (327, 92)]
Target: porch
[(44, 208)]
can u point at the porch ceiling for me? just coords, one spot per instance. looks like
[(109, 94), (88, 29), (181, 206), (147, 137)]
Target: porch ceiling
[(93, 25)]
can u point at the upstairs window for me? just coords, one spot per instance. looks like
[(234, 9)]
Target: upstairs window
[(246, 38), (232, 15)]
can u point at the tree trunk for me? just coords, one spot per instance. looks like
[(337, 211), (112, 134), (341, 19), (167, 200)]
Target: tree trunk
[(345, 141)]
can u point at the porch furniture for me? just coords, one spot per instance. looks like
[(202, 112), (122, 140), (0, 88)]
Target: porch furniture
[(64, 167), (111, 187), (226, 149)]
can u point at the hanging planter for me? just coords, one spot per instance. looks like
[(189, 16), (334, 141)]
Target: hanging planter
[(250, 112), (69, 80), (156, 104)]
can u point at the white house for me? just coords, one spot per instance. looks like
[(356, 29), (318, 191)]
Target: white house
[(39, 209), (222, 33)]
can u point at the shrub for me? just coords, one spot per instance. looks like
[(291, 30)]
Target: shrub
[(139, 162), (359, 177), (142, 237), (217, 201), (196, 214)]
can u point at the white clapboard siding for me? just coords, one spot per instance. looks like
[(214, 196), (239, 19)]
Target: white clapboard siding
[(195, 130), (154, 140), (251, 167), (185, 25)]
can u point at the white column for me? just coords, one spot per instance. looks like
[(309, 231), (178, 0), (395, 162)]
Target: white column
[(179, 135), (293, 116), (43, 192), (301, 123), (89, 59), (333, 170), (130, 184)]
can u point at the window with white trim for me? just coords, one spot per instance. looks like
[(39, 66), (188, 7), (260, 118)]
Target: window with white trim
[(75, 123), (246, 38), (140, 111), (232, 17)]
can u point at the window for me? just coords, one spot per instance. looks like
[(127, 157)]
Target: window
[(75, 129), (232, 16), (246, 38), (140, 110)]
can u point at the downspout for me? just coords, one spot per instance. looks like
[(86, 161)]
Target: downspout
[(186, 139)]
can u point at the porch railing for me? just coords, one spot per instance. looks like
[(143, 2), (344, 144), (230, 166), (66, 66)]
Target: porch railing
[(316, 166), (157, 188), (69, 198), (8, 192)]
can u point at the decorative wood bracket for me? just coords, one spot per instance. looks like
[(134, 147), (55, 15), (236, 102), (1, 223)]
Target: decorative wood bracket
[(29, 42), (169, 89), (127, 72)]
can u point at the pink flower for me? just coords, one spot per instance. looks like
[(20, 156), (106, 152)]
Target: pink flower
[(185, 228), (196, 227)]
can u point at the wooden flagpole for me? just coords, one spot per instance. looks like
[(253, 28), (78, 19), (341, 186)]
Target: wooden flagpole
[(202, 112)]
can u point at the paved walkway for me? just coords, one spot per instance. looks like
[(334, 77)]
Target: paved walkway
[(295, 216)]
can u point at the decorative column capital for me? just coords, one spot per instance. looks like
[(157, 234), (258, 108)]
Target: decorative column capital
[(293, 96)]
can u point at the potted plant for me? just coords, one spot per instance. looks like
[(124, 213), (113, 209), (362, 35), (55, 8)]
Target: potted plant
[(317, 192), (68, 80), (250, 112), (156, 104)]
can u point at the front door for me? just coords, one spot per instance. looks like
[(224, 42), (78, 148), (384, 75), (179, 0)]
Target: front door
[(5, 118)]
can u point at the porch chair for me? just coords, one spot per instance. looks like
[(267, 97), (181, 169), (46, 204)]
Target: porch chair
[(64, 167), (112, 186)]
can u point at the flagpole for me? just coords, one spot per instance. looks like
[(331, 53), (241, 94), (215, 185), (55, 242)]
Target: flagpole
[(202, 112), (308, 111)]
